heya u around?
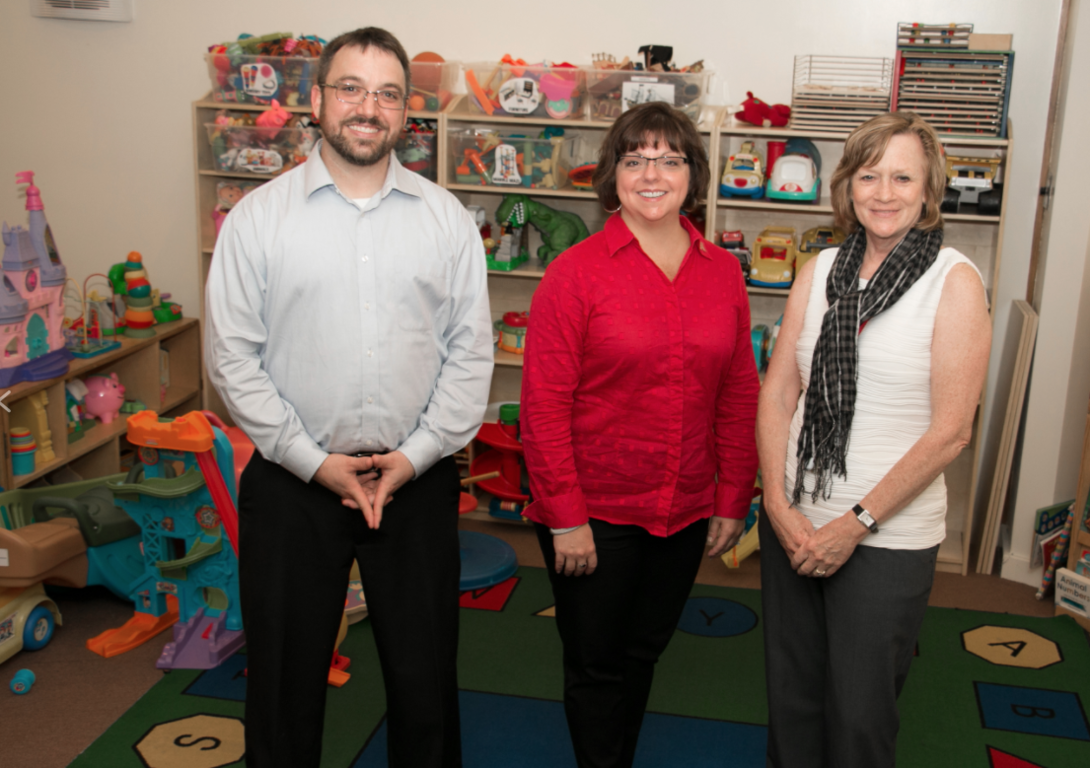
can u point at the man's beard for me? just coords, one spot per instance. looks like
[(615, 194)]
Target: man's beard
[(362, 156)]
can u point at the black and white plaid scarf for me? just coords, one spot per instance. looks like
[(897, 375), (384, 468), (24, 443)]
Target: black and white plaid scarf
[(830, 398)]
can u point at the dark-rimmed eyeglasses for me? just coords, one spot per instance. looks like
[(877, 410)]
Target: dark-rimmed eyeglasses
[(353, 94), (666, 163)]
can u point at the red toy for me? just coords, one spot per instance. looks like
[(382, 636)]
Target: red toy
[(756, 112)]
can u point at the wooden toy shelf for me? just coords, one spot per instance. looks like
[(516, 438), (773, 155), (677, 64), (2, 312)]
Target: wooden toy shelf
[(40, 405)]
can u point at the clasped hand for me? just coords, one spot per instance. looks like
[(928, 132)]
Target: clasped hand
[(360, 486), (819, 553)]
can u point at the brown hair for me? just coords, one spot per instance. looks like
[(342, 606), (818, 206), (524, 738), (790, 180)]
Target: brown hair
[(651, 123), (866, 145), (363, 39)]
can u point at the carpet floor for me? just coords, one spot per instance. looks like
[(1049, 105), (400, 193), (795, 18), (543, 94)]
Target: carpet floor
[(986, 689)]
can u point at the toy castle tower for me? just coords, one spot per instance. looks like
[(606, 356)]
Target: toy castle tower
[(31, 299)]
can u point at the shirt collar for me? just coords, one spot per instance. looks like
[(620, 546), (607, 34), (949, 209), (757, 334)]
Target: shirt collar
[(316, 176), (618, 235)]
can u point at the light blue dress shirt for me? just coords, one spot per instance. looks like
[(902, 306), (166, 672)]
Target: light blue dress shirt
[(335, 330)]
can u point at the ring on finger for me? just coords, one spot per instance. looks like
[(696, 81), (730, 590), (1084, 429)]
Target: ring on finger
[(581, 565), (819, 573)]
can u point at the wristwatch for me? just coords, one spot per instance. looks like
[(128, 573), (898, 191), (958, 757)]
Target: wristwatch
[(864, 517)]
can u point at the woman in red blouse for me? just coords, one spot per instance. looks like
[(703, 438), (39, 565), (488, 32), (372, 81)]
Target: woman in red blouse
[(639, 397)]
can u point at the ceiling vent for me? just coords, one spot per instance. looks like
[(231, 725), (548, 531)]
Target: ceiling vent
[(84, 10)]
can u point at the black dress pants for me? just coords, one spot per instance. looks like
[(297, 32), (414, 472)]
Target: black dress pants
[(837, 653), (614, 624), (297, 543)]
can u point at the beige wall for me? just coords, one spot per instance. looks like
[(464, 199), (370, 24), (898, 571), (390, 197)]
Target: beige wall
[(1056, 409), (101, 111)]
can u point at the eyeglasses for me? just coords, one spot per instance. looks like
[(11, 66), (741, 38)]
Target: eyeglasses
[(666, 163), (353, 94)]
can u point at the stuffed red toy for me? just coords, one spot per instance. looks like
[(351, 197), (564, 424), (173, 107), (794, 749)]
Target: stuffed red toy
[(756, 112)]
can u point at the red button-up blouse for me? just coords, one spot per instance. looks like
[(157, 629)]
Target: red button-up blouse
[(638, 393)]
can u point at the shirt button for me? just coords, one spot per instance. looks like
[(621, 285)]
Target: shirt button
[(370, 353), (369, 442), (367, 305), (365, 258), (370, 400)]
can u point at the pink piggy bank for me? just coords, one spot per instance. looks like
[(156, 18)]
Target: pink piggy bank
[(105, 394)]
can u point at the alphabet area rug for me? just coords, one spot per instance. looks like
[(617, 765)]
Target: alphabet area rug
[(987, 690)]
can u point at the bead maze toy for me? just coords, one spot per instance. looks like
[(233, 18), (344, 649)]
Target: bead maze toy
[(181, 495), (559, 230), (32, 298)]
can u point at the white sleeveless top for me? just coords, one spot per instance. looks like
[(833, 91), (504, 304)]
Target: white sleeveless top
[(892, 406)]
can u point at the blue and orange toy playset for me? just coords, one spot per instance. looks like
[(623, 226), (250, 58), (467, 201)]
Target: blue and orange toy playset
[(181, 494), (32, 298)]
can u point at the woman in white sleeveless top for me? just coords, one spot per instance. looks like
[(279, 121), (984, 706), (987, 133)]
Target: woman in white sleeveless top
[(871, 394)]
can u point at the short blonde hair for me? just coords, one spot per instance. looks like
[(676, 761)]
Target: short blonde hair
[(866, 145)]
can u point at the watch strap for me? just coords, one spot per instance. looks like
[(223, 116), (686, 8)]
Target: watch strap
[(865, 518)]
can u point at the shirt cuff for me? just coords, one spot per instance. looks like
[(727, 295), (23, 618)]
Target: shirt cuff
[(727, 503), (562, 531), (422, 451), (302, 459), (566, 511)]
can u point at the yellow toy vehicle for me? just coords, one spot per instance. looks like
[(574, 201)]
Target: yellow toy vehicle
[(27, 618), (815, 240), (773, 258)]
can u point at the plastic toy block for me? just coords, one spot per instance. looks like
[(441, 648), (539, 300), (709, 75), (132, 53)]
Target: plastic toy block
[(134, 632)]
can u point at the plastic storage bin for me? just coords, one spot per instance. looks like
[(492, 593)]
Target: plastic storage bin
[(416, 151), (245, 79), (613, 92), (507, 90), (433, 85), (510, 158), (257, 150)]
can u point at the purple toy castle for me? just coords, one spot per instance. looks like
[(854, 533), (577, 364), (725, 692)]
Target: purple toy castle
[(31, 298)]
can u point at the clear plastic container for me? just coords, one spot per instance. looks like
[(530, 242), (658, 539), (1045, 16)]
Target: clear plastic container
[(257, 150), (416, 151), (246, 79), (507, 90), (433, 85), (613, 92), (485, 156)]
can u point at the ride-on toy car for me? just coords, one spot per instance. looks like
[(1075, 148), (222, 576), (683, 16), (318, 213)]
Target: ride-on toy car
[(27, 619)]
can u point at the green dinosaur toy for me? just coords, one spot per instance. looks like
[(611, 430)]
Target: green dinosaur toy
[(559, 230)]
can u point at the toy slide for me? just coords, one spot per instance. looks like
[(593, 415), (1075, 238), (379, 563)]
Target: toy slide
[(134, 632)]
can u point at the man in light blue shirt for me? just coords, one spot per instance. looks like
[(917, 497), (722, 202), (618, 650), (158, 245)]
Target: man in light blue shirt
[(348, 332)]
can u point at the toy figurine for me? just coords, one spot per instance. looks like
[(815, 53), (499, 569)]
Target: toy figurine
[(560, 230)]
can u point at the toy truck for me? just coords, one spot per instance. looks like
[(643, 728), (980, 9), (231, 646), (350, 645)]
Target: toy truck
[(971, 180)]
